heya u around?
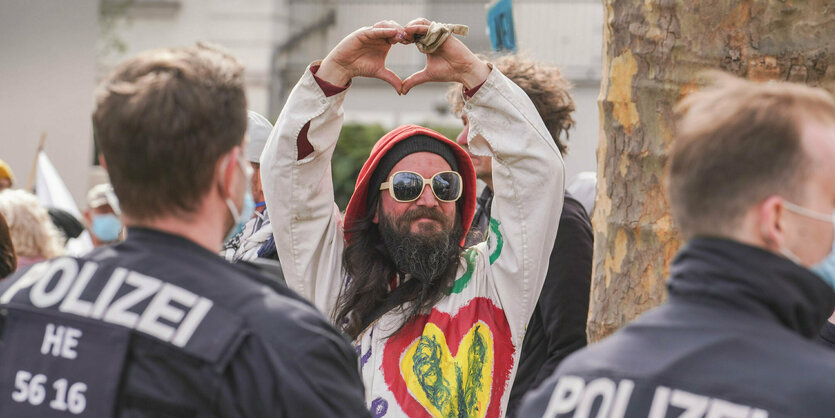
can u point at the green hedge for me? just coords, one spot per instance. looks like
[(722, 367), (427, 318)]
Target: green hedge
[(352, 149)]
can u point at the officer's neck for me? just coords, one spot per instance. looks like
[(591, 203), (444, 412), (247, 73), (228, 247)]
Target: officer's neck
[(206, 227)]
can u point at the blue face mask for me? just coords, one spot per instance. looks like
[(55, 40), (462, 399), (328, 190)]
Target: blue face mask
[(248, 206), (107, 227), (826, 268)]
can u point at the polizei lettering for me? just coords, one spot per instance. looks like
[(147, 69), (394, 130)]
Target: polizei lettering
[(612, 398), (172, 315)]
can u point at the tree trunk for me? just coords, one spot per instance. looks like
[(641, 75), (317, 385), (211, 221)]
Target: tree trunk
[(653, 50)]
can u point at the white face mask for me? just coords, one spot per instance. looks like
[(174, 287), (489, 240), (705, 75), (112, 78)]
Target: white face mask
[(800, 210), (248, 206)]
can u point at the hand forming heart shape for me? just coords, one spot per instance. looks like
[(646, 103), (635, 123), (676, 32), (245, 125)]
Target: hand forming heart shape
[(363, 54)]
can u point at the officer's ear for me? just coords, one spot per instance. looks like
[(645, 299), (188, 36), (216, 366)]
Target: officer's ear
[(771, 216), (225, 170)]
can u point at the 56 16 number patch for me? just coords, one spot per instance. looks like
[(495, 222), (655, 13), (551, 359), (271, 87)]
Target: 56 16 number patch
[(59, 366)]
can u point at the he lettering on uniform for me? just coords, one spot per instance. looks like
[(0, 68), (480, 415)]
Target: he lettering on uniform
[(60, 341)]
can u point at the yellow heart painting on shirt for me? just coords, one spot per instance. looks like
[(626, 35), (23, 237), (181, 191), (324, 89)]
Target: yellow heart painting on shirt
[(443, 366)]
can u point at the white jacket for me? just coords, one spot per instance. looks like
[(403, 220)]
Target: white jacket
[(460, 358)]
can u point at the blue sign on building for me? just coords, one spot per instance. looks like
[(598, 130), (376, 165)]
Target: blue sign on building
[(500, 26)]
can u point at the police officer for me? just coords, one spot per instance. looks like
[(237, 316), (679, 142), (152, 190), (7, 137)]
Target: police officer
[(750, 186), (160, 325)]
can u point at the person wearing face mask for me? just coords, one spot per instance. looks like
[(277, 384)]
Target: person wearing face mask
[(749, 178), (103, 215), (255, 238), (159, 325)]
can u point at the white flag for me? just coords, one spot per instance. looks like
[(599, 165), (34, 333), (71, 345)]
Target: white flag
[(53, 193), (50, 188)]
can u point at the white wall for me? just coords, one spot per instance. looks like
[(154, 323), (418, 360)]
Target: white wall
[(47, 77), (568, 33), (583, 138), (249, 29)]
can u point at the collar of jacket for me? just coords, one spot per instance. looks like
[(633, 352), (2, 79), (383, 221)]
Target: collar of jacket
[(149, 237), (729, 273)]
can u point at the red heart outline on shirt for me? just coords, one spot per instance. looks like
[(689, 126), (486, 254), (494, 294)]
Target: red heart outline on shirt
[(479, 311)]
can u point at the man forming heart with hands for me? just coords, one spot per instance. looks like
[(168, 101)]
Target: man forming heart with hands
[(437, 326), (363, 54)]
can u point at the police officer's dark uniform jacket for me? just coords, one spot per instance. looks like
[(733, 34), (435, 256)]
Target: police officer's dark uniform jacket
[(735, 339), (158, 326), (827, 335)]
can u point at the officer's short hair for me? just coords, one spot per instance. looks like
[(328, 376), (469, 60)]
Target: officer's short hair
[(162, 121), (738, 142)]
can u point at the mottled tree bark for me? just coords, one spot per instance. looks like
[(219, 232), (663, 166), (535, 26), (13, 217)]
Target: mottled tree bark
[(653, 51)]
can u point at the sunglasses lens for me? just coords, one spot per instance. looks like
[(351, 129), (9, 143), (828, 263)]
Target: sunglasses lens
[(406, 186), (447, 186)]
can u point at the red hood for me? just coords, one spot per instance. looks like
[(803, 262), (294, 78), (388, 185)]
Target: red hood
[(356, 207)]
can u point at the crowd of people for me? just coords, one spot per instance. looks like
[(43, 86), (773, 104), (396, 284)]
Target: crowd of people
[(226, 282)]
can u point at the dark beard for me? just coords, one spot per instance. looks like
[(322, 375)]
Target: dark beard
[(427, 257)]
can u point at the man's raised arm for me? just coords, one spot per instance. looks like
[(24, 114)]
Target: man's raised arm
[(528, 173), (296, 163)]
